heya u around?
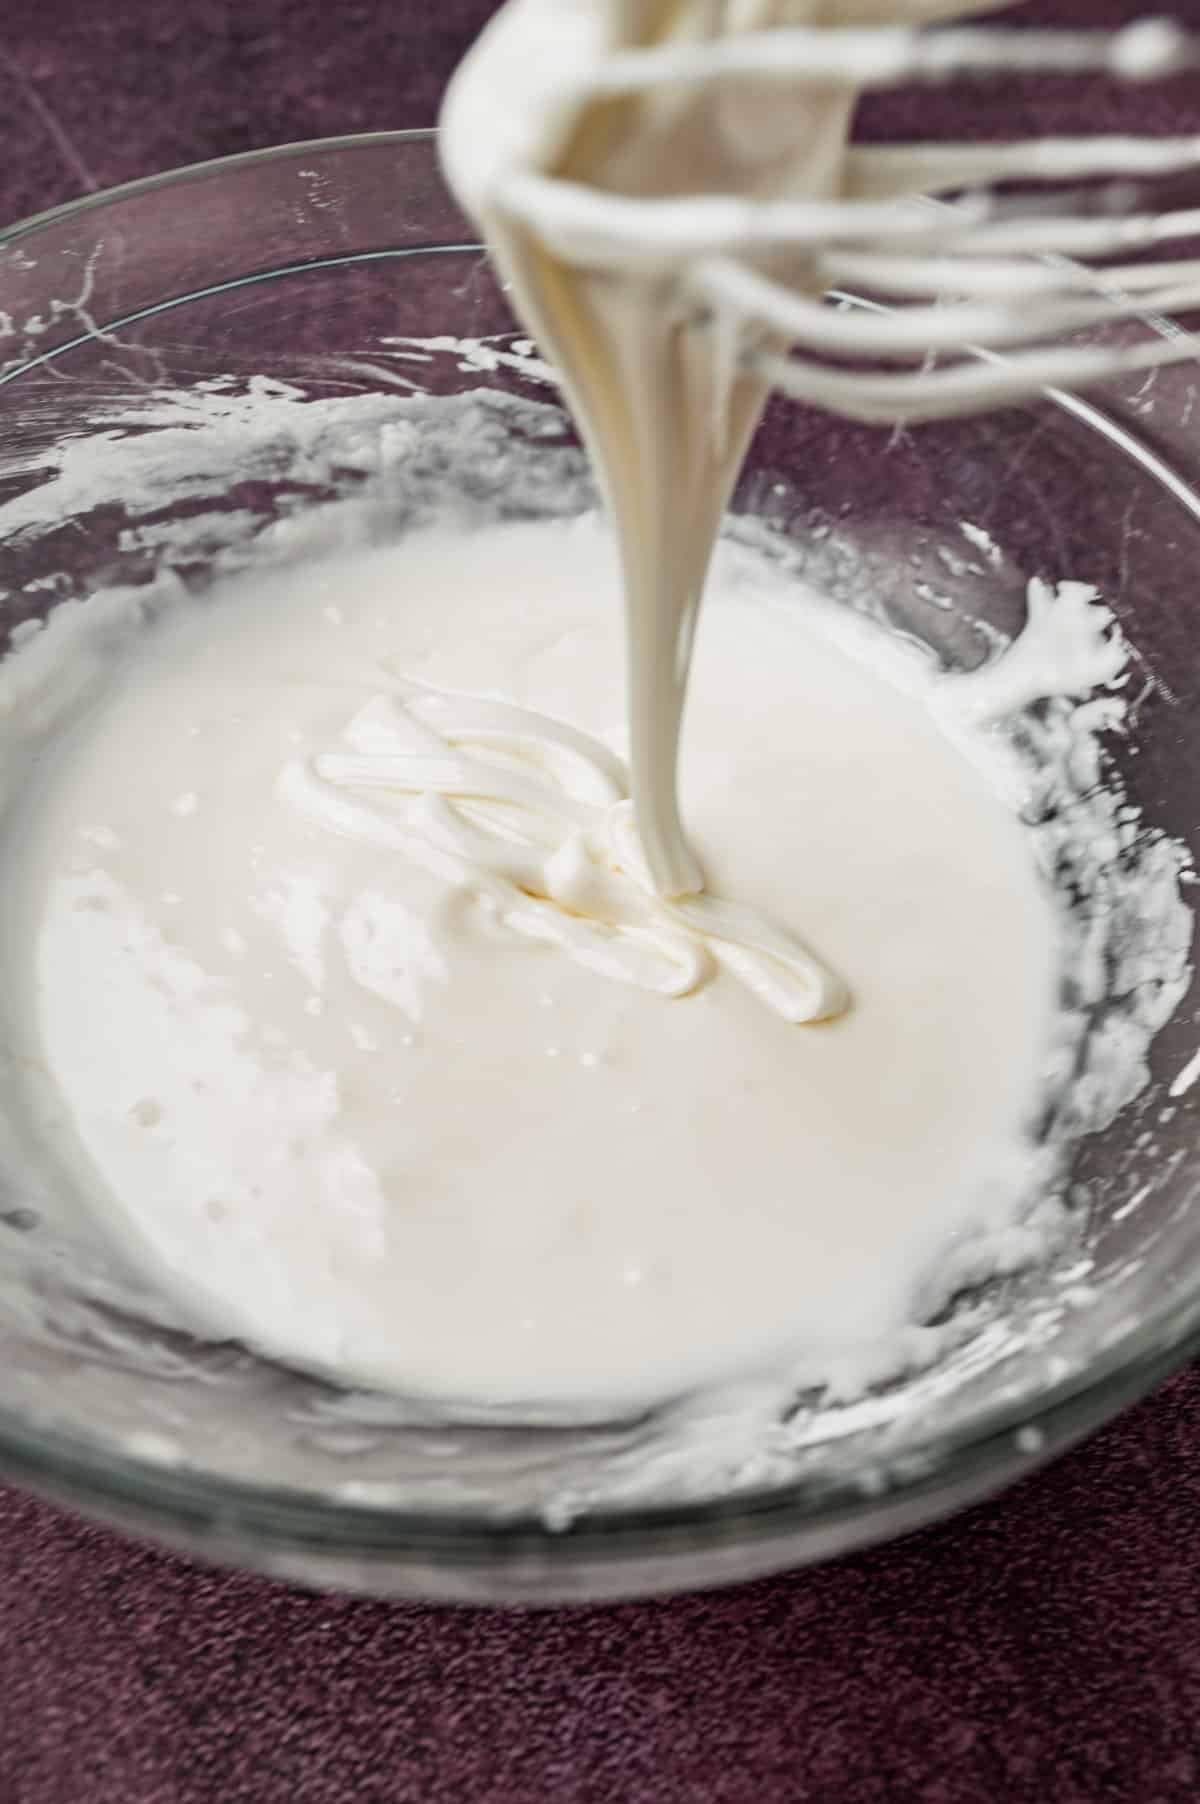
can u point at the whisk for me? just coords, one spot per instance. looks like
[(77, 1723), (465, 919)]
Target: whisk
[(976, 294)]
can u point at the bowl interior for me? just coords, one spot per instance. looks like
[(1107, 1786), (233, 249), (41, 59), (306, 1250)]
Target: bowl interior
[(195, 364)]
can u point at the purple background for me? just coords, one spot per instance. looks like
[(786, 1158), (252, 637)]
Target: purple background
[(1044, 1647)]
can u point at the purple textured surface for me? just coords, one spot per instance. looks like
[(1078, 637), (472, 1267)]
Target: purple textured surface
[(1044, 1647)]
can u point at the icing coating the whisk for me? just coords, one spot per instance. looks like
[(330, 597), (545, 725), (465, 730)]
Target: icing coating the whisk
[(670, 190)]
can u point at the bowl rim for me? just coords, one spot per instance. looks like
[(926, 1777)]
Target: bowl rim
[(996, 1444), (188, 172)]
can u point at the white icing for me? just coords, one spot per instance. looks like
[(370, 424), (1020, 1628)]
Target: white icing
[(412, 456), (533, 816), (330, 1082)]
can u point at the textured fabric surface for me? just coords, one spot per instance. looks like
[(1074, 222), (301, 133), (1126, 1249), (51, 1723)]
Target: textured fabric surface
[(1045, 1647)]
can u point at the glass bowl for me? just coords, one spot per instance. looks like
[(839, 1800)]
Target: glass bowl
[(190, 361)]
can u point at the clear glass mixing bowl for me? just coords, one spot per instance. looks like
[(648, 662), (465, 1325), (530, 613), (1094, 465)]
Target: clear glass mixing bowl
[(299, 274)]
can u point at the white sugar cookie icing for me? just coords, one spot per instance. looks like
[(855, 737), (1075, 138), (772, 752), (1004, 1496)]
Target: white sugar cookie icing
[(347, 1021)]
